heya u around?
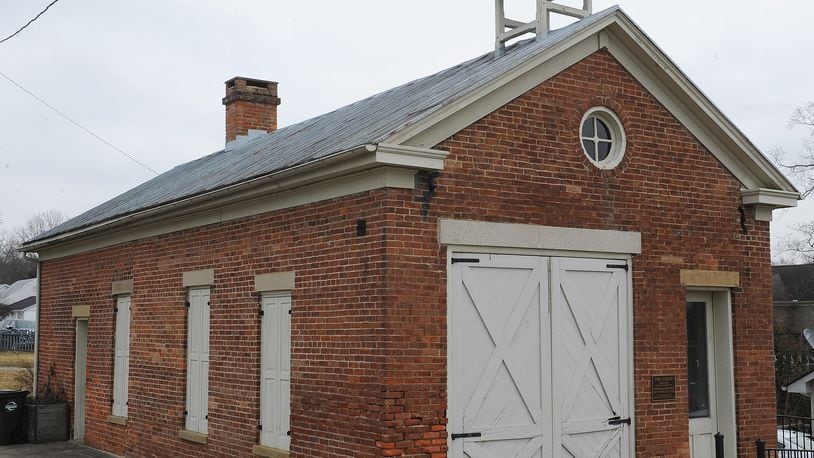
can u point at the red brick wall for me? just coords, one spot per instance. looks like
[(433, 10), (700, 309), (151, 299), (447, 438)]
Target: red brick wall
[(337, 354), (524, 164), (369, 320)]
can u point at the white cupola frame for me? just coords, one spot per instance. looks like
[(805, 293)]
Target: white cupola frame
[(507, 29)]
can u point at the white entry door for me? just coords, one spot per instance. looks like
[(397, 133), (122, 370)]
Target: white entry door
[(591, 358), (701, 377), (510, 395)]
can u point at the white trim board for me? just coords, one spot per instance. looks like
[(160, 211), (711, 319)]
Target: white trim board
[(509, 235), (196, 216), (657, 73), (362, 169)]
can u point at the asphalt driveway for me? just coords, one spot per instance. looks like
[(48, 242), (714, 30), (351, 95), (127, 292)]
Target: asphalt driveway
[(52, 449)]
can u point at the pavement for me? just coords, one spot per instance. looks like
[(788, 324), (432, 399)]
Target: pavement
[(69, 449)]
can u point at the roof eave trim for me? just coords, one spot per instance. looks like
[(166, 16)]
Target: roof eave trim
[(772, 177), (364, 157), (772, 197), (766, 200)]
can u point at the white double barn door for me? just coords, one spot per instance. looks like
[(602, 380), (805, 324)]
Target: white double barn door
[(539, 357)]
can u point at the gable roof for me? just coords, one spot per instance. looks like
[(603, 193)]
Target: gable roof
[(23, 304), (18, 291), (793, 283), (802, 384), (410, 115)]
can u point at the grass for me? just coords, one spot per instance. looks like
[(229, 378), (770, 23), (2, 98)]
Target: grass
[(16, 370), (16, 359), (12, 380)]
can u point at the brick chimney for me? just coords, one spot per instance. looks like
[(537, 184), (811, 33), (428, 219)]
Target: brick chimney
[(251, 108)]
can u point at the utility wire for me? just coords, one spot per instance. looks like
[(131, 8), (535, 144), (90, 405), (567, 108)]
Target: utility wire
[(54, 109), (28, 23), (77, 124)]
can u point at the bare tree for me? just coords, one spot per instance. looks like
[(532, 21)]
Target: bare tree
[(803, 168), (801, 245), (37, 224), (13, 265)]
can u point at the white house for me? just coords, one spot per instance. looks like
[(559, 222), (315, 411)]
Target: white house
[(21, 297)]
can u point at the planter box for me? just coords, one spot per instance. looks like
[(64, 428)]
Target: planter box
[(47, 423)]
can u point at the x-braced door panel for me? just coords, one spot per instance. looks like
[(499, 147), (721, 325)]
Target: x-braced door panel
[(539, 357), (501, 326), (591, 357)]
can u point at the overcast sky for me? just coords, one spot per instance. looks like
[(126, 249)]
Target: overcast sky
[(148, 75)]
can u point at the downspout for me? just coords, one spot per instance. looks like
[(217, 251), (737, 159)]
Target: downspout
[(37, 333)]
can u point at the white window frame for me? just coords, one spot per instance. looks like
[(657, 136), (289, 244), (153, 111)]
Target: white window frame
[(618, 138), (275, 370), (197, 396), (121, 358)]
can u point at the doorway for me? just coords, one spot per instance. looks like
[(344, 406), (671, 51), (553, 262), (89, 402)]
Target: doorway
[(710, 375), (539, 356), (701, 377), (80, 375)]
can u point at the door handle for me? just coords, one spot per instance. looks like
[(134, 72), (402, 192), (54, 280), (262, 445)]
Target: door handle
[(464, 435), (618, 421)]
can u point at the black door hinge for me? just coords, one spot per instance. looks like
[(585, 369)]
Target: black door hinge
[(186, 413), (187, 303), (472, 260), (207, 417), (618, 266), (618, 421), (262, 313), (464, 435), (289, 311), (115, 310), (288, 433), (259, 427), (208, 303)]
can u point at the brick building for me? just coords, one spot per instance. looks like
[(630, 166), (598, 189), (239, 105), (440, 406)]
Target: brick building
[(515, 256)]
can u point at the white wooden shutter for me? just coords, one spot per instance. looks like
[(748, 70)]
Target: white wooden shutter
[(198, 360), (591, 353), (275, 401), (121, 368)]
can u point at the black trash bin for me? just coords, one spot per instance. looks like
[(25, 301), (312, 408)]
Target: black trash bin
[(12, 417)]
